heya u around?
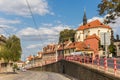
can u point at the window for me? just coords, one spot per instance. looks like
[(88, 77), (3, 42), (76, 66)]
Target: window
[(3, 64), (88, 46), (98, 32), (88, 32), (119, 48)]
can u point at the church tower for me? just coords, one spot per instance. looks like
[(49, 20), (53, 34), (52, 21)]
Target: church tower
[(84, 18)]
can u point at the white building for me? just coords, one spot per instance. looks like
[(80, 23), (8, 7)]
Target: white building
[(88, 29)]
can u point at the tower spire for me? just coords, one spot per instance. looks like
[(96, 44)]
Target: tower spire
[(84, 17)]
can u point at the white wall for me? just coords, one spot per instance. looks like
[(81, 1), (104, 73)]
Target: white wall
[(81, 34)]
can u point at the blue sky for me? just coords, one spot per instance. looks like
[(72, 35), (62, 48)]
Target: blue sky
[(51, 16)]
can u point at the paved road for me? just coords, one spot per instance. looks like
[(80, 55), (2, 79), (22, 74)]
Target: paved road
[(32, 75)]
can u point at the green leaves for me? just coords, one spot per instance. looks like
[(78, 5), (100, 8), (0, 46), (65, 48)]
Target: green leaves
[(112, 49), (111, 7), (11, 50), (66, 34)]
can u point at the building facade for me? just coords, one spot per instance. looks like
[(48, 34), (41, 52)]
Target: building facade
[(90, 33), (117, 45), (94, 27)]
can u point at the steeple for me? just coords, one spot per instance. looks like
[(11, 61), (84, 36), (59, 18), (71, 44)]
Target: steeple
[(84, 18)]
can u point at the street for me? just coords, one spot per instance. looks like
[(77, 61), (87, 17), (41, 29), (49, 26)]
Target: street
[(32, 75)]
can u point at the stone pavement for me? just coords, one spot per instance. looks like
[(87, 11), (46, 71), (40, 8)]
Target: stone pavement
[(32, 75)]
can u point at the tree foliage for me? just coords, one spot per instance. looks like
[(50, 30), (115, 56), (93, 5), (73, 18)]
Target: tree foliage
[(11, 50), (110, 7), (66, 35), (112, 49)]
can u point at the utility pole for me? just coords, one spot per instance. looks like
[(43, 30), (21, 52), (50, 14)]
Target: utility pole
[(56, 53), (105, 45), (105, 41), (63, 50)]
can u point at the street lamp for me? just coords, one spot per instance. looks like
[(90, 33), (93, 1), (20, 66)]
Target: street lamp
[(63, 50), (33, 60), (56, 53)]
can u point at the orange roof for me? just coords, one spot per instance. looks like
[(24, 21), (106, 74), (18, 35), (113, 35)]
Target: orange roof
[(60, 47), (49, 52), (49, 48), (40, 53), (20, 61), (79, 46), (93, 24), (64, 45), (37, 57), (93, 36), (30, 57)]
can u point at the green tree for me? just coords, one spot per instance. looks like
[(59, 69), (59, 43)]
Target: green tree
[(110, 7), (66, 35), (112, 49), (15, 47), (11, 50)]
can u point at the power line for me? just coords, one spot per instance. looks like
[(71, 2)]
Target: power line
[(34, 21), (5, 30)]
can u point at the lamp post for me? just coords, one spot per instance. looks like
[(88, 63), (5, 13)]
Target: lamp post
[(63, 50), (56, 53), (33, 60), (105, 41)]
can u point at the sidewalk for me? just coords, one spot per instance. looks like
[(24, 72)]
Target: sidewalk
[(6, 74)]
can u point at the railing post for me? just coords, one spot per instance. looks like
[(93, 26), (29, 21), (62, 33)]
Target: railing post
[(115, 66), (80, 59), (98, 62), (105, 64), (84, 59), (92, 60)]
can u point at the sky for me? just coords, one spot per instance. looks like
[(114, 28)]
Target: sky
[(38, 22)]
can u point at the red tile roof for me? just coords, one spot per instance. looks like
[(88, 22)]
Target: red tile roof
[(93, 36), (20, 61), (79, 46), (30, 57), (93, 24), (49, 48)]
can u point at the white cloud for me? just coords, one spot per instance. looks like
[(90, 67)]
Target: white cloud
[(101, 19), (34, 46), (38, 46), (95, 18), (6, 21), (19, 7), (116, 26), (7, 26), (44, 32)]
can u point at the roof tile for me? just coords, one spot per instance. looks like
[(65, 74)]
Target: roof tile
[(93, 24)]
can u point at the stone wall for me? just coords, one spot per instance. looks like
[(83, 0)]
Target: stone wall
[(76, 70)]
